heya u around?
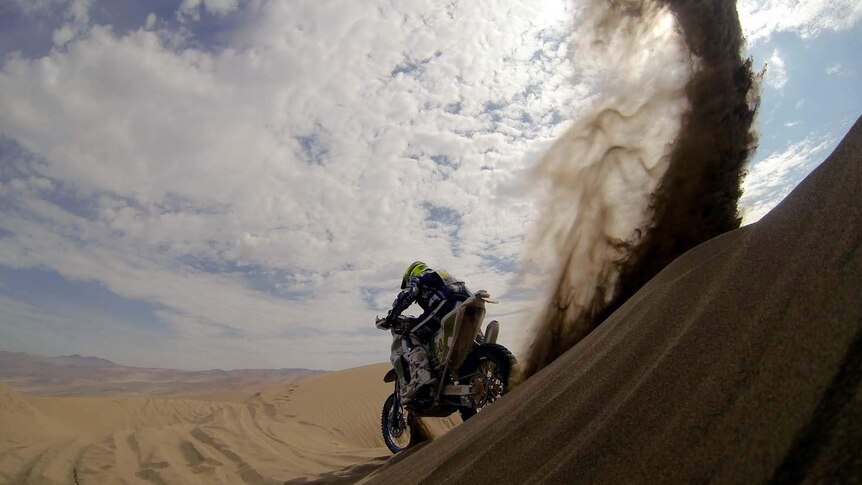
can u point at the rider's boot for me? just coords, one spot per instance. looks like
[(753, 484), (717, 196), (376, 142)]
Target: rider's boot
[(420, 372)]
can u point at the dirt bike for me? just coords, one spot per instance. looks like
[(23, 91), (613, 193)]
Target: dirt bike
[(472, 369)]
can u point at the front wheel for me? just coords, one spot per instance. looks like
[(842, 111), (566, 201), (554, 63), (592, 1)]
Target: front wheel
[(396, 426), (486, 369)]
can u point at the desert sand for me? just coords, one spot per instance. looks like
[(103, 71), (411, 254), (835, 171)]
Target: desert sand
[(741, 362), (322, 427)]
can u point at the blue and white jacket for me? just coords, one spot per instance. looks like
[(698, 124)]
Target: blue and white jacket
[(428, 290)]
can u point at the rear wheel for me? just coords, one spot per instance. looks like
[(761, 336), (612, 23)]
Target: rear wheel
[(486, 370), (397, 430)]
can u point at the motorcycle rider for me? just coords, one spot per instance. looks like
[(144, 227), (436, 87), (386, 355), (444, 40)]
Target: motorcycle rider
[(438, 293)]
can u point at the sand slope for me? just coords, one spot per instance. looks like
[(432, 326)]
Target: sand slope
[(740, 363), (318, 426)]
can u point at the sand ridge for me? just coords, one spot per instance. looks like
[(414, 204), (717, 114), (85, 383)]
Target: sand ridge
[(313, 427)]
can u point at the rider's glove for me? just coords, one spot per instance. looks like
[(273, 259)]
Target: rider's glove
[(391, 322), (397, 324)]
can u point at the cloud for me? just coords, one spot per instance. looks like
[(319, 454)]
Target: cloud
[(77, 19), (838, 69), (776, 74), (760, 19), (256, 192), (770, 180)]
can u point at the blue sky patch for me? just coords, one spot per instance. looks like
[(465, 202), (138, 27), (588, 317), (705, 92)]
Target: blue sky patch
[(453, 108), (76, 300), (445, 160), (313, 150), (30, 33), (812, 100), (411, 66), (443, 215)]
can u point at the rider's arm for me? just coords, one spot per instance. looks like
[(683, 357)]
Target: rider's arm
[(404, 299)]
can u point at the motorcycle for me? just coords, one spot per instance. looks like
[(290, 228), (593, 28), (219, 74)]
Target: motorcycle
[(472, 370)]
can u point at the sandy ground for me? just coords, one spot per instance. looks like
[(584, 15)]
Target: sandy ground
[(322, 427), (741, 362)]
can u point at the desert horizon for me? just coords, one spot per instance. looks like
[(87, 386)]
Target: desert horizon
[(90, 376)]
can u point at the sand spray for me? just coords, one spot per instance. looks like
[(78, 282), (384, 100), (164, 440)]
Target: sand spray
[(651, 169)]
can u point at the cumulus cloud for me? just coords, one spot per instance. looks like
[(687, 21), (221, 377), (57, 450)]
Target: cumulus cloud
[(807, 18), (776, 74), (770, 180), (274, 188), (838, 69), (77, 19)]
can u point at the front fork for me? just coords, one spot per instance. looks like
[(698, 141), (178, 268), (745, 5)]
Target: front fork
[(396, 407), (395, 357)]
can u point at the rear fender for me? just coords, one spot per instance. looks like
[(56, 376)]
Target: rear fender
[(486, 297)]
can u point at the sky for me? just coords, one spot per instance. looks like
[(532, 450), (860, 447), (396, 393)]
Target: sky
[(230, 184)]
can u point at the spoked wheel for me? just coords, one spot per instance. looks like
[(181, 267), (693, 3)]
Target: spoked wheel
[(395, 425), (486, 370)]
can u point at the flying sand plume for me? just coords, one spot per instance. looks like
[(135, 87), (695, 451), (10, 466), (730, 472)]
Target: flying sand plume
[(654, 168)]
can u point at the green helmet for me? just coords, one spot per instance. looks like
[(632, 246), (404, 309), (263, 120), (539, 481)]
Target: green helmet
[(415, 269)]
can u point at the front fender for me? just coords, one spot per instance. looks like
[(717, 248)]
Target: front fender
[(390, 376)]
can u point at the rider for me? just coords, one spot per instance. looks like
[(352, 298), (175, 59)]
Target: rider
[(438, 293)]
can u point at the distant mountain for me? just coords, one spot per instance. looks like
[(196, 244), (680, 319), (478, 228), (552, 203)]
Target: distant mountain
[(77, 360), (76, 375)]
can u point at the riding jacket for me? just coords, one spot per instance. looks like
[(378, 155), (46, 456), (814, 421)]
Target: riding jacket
[(430, 290)]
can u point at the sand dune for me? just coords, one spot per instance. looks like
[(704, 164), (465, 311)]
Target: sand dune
[(317, 426), (741, 362)]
